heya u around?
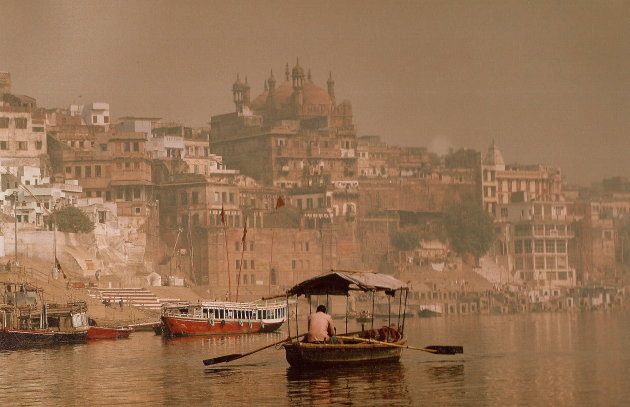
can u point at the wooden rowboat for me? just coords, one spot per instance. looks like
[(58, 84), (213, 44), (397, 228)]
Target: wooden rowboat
[(102, 332), (348, 353), (389, 341)]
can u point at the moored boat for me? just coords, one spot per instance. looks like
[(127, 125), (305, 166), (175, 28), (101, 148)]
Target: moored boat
[(103, 332), (26, 323), (221, 318)]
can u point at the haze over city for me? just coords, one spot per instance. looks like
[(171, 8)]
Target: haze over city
[(547, 80)]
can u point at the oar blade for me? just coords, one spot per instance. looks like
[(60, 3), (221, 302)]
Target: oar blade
[(222, 359), (445, 350)]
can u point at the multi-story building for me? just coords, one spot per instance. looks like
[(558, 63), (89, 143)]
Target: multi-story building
[(500, 181), (533, 242), (22, 136), (295, 135)]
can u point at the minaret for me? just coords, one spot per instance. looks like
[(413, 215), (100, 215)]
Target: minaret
[(272, 82), (237, 92), (331, 86), (286, 73), (297, 75), (309, 77), (246, 93)]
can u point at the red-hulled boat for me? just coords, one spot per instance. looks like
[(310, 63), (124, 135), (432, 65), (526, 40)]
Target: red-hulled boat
[(218, 318), (102, 332)]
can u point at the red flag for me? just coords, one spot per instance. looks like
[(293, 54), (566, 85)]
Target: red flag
[(279, 202), (244, 231), (222, 215)]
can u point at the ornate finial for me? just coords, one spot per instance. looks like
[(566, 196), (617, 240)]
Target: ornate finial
[(271, 74), (286, 72)]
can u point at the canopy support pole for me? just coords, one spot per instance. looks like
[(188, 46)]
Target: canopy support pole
[(297, 300), (389, 311), (372, 327), (288, 318), (404, 311), (399, 308), (347, 300)]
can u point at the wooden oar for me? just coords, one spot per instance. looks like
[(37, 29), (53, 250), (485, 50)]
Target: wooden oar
[(234, 356), (435, 349)]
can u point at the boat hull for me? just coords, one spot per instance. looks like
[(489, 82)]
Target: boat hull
[(99, 332), (19, 338), (181, 326), (301, 354)]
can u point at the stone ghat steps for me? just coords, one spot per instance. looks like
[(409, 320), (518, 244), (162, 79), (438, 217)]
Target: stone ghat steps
[(138, 297)]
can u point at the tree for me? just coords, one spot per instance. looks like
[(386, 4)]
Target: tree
[(405, 239), (71, 219), (469, 228)]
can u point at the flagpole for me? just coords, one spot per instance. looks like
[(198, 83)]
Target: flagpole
[(238, 282), (271, 262), (227, 255)]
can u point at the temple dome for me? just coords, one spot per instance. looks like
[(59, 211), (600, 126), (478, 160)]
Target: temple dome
[(311, 95)]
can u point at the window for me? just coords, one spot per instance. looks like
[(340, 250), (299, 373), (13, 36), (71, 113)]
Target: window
[(136, 165), (88, 172), (4, 122), (251, 264), (518, 247), (550, 246), (136, 146), (136, 193), (527, 244), (68, 170), (94, 119), (106, 119), (108, 196), (539, 246), (540, 262), (183, 198), (127, 165), (127, 146), (195, 197), (38, 145), (20, 122), (137, 210), (561, 246), (217, 197), (231, 197), (77, 172), (22, 145), (97, 171), (4, 145)]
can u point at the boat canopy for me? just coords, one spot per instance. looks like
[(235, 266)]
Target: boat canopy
[(340, 282)]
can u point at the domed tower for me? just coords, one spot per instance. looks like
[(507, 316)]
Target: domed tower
[(331, 86), (272, 82), (246, 93), (297, 74), (237, 93)]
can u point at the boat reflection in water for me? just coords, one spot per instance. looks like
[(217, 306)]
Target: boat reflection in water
[(335, 386)]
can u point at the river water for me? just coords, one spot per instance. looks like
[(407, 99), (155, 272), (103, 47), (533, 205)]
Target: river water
[(565, 359)]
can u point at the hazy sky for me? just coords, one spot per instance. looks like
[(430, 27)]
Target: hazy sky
[(548, 80)]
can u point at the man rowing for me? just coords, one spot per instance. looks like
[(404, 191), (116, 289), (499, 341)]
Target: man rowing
[(320, 326)]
